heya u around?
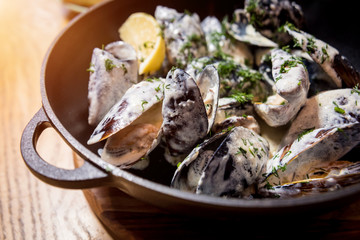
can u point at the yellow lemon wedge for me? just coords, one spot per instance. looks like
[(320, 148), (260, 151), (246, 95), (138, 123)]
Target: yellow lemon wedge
[(142, 31)]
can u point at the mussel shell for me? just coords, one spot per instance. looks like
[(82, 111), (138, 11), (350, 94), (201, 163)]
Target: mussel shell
[(188, 173), (236, 165), (209, 83), (268, 15), (346, 70), (315, 149), (108, 84), (183, 35), (348, 175), (320, 112), (135, 102), (292, 86), (320, 52), (243, 31), (185, 121)]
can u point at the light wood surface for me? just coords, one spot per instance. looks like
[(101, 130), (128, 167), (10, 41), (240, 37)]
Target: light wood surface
[(31, 209)]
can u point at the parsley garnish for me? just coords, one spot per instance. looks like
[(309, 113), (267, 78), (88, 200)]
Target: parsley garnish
[(242, 97), (90, 69), (228, 129), (310, 46), (356, 89), (324, 55), (303, 133), (289, 25), (242, 151), (109, 65), (124, 68), (293, 62), (143, 102), (269, 186), (338, 109)]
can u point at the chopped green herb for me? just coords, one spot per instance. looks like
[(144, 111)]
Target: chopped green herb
[(226, 68), (288, 64), (287, 154), (157, 89), (291, 26), (275, 173), (286, 48), (90, 69), (228, 129), (310, 46), (109, 65), (282, 168), (252, 153), (303, 133), (324, 55), (124, 68), (178, 165), (242, 97), (278, 78), (356, 89), (338, 109), (269, 186), (283, 103), (242, 151), (296, 43), (143, 102)]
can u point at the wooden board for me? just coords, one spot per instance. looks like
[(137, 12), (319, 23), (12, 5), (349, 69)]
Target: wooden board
[(128, 218)]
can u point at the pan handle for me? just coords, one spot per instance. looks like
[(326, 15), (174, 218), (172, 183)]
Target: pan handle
[(86, 176)]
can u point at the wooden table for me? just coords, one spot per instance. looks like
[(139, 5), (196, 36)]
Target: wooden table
[(31, 209)]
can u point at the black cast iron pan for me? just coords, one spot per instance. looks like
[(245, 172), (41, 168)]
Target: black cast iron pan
[(64, 83)]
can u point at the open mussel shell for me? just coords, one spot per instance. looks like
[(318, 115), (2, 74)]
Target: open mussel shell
[(132, 126), (113, 70), (209, 83), (316, 148), (135, 102), (188, 173), (133, 143), (335, 179), (185, 121)]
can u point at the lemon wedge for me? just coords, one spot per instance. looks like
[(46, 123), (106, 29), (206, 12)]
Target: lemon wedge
[(142, 31)]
